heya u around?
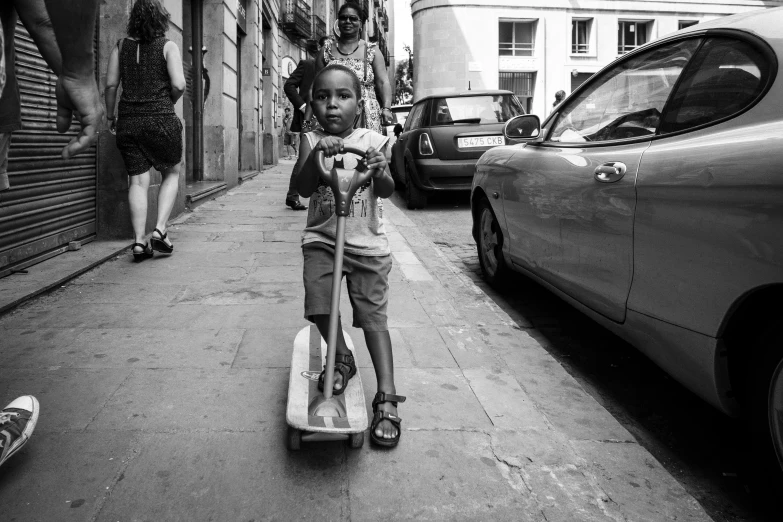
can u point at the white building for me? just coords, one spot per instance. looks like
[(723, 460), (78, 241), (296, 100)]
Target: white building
[(538, 47)]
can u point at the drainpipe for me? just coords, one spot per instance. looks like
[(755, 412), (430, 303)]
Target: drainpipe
[(197, 29)]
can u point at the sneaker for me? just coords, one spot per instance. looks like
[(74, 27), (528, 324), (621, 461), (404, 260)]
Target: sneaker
[(17, 422)]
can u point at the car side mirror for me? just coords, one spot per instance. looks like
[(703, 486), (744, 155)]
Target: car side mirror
[(524, 127), (397, 130)]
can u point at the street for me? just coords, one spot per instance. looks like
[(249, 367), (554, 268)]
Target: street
[(698, 445), (162, 390)]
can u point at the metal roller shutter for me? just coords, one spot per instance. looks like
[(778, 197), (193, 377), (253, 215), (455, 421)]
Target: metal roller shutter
[(52, 200)]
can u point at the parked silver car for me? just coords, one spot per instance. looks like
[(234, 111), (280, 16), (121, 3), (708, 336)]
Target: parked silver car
[(652, 200)]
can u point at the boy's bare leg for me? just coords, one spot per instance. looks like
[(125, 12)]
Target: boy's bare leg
[(380, 348), (322, 322)]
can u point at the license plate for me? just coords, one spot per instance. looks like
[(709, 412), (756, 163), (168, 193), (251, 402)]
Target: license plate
[(480, 141)]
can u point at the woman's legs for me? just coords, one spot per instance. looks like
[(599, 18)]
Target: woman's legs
[(137, 200), (167, 196)]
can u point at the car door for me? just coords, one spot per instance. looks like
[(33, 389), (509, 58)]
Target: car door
[(570, 206), (709, 192)]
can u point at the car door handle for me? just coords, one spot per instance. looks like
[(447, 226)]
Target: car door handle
[(610, 172)]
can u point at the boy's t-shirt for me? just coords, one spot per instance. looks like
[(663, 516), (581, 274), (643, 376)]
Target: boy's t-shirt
[(364, 231)]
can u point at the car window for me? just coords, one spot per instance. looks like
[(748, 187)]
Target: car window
[(413, 118), (627, 100), (475, 109), (725, 76)]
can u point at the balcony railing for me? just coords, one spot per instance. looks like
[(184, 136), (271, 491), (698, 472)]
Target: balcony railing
[(383, 49), (319, 31), (296, 18)]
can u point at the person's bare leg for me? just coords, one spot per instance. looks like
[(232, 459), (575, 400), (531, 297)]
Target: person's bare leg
[(137, 200), (380, 347), (167, 196), (322, 322)]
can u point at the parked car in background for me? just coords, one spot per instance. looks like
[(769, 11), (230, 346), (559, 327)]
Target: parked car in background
[(652, 200), (399, 115), (443, 137)]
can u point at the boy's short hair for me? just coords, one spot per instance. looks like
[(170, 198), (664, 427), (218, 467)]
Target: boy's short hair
[(357, 88)]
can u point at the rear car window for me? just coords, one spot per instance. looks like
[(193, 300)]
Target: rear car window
[(725, 77), (414, 117), (475, 109)]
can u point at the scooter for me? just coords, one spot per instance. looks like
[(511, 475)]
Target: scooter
[(313, 415)]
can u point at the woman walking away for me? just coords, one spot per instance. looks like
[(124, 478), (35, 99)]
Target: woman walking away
[(149, 133), (361, 57)]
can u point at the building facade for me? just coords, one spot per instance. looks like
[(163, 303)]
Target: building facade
[(236, 54), (536, 48)]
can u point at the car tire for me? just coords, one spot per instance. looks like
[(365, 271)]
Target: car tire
[(765, 409), (414, 196), (490, 245)]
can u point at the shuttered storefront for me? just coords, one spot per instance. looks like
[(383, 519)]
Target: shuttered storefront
[(52, 200)]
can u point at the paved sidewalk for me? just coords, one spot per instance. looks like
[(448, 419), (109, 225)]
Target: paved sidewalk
[(162, 389)]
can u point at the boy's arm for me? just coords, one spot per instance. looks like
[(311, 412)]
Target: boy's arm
[(306, 172), (383, 183)]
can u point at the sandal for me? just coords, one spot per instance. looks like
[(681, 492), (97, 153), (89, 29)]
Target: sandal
[(380, 415), (160, 244), (146, 252), (346, 366)]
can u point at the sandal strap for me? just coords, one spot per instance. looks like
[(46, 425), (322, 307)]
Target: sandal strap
[(344, 359), (163, 235), (385, 415), (387, 397)]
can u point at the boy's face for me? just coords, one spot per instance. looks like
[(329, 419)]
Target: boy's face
[(335, 104)]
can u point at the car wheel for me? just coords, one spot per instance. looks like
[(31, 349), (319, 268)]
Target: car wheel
[(490, 244), (414, 197), (766, 419)]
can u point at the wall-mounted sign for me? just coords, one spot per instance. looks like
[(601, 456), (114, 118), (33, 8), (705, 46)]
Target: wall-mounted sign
[(242, 15), (265, 71), (288, 66)]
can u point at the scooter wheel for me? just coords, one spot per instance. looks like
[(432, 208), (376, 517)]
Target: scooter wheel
[(356, 440), (294, 439)]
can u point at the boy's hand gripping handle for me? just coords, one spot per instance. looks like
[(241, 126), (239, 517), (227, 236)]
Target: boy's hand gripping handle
[(344, 187)]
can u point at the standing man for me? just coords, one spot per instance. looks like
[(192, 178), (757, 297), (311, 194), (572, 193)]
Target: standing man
[(297, 89)]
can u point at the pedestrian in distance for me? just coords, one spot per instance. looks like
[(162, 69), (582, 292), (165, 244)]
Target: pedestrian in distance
[(337, 105), (149, 132), (297, 89), (363, 58), (290, 138), (559, 97), (63, 32)]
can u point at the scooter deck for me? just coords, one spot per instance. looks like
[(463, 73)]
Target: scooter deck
[(307, 362)]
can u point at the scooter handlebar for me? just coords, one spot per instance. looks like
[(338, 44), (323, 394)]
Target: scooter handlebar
[(344, 187)]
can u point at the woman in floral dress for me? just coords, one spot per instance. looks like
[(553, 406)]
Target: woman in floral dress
[(350, 50)]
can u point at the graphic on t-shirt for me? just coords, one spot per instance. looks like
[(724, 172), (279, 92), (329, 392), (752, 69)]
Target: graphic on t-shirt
[(344, 164)]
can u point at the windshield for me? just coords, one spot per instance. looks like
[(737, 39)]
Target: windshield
[(476, 109)]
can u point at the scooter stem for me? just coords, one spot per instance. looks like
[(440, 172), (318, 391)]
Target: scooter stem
[(343, 190), (334, 313)]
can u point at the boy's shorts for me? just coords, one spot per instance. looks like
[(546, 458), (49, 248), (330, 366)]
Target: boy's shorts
[(367, 279)]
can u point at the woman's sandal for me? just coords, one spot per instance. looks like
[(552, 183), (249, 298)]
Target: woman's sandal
[(146, 252), (346, 366), (380, 415), (160, 244)]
